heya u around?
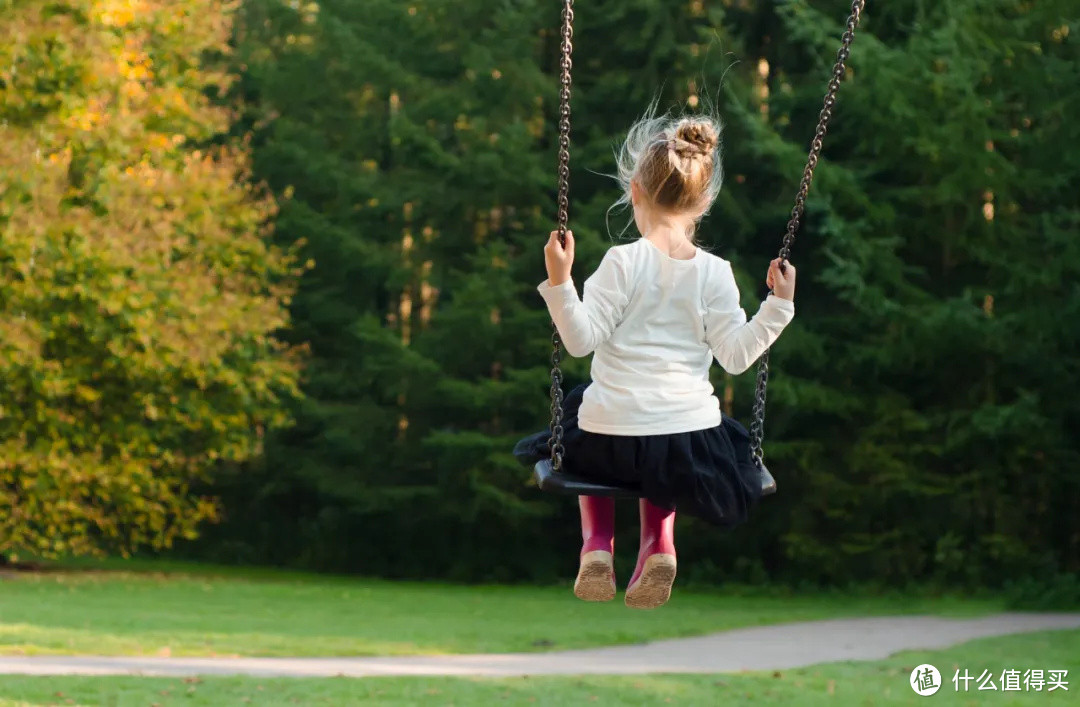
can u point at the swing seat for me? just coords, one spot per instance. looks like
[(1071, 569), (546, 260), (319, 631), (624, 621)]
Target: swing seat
[(547, 479)]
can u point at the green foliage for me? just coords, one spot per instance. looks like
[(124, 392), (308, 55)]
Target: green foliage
[(923, 406), (414, 169), (138, 295), (1057, 592), (943, 330)]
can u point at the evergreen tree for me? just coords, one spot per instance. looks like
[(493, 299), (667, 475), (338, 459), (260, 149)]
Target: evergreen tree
[(408, 145), (923, 403)]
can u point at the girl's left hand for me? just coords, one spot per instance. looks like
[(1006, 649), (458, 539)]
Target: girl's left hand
[(559, 258), (781, 283)]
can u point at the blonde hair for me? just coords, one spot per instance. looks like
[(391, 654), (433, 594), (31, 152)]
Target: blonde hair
[(674, 160)]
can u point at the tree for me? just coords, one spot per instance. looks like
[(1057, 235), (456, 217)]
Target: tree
[(923, 407), (419, 168), (921, 403), (139, 294), (412, 168)]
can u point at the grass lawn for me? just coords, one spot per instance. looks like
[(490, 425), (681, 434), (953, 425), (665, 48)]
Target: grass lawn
[(195, 610), (842, 684)]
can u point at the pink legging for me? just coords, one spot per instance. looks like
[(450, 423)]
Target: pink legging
[(598, 527)]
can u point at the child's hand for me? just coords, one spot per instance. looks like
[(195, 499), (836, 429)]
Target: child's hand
[(558, 258), (781, 283)]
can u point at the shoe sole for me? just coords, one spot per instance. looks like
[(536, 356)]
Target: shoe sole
[(594, 580), (653, 588)]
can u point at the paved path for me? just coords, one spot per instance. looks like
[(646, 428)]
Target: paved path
[(760, 648)]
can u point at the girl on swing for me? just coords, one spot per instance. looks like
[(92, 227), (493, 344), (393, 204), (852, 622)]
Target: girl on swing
[(655, 314)]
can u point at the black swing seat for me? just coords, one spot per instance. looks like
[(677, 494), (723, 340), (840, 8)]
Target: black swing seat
[(547, 479)]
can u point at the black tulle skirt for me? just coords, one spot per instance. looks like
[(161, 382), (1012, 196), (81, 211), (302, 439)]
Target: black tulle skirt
[(709, 474)]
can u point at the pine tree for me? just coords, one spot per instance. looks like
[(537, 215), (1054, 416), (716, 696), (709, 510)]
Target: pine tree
[(922, 404), (406, 142)]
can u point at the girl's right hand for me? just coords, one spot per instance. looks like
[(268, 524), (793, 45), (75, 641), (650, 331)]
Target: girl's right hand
[(781, 283), (559, 258)]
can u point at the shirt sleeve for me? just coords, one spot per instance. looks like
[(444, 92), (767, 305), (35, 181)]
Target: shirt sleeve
[(735, 342), (586, 323)]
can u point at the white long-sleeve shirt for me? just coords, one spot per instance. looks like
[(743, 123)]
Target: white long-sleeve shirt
[(655, 324)]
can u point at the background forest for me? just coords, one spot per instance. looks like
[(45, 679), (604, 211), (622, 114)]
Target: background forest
[(268, 270)]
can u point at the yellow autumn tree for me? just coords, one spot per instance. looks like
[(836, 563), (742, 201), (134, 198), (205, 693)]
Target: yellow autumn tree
[(139, 292)]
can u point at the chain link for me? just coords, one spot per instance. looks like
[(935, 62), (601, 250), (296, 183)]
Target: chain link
[(566, 48), (757, 428)]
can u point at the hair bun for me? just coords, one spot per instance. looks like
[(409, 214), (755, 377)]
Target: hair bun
[(694, 136), (674, 161)]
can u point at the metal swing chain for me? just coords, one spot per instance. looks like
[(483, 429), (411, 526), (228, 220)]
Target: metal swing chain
[(565, 64), (757, 428)]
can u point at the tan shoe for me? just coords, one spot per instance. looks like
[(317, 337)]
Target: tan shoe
[(596, 577), (651, 588)]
